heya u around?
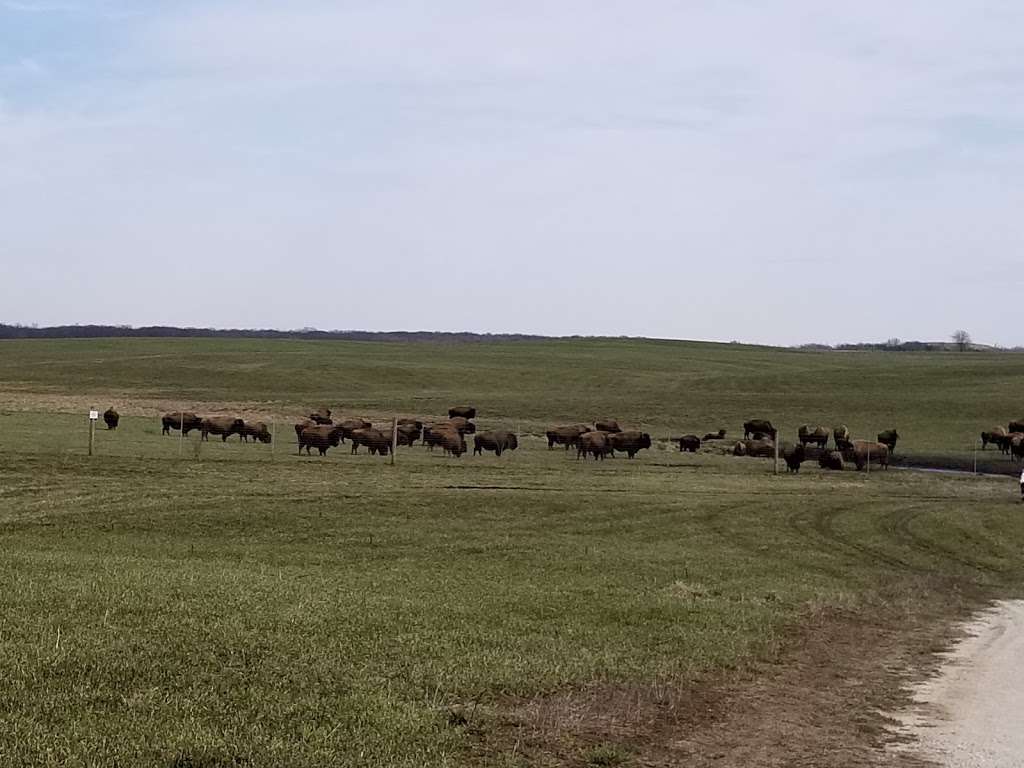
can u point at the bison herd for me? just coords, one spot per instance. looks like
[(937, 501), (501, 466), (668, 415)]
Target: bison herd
[(1010, 441), (812, 443), (598, 440)]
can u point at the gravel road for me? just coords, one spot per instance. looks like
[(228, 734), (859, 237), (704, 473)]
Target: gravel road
[(971, 715)]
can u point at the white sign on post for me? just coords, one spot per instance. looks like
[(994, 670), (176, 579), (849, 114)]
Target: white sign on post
[(93, 415)]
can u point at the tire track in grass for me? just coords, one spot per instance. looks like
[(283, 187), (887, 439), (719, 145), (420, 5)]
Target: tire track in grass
[(901, 528), (823, 523), (755, 545)]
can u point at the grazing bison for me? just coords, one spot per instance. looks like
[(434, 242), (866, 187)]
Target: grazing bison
[(841, 434), (760, 448), (322, 416), (434, 434), (631, 441), (257, 430), (462, 425), (225, 426), (465, 411), (889, 438), (375, 440), (719, 435), (594, 444), (1016, 426), (1017, 446), (348, 426), (757, 427), (566, 435), (408, 434), (812, 434), (319, 436), (608, 425), (794, 455), (863, 453), (445, 436), (831, 460), (690, 443), (996, 436), (111, 418), (497, 441), (186, 422)]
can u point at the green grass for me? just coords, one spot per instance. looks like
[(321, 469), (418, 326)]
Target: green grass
[(242, 605), (937, 401)]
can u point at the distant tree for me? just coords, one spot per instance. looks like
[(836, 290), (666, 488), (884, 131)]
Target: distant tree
[(893, 342), (962, 339)]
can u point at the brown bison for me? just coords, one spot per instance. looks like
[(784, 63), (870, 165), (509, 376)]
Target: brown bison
[(375, 440), (302, 425), (348, 426), (405, 422), (831, 460), (608, 425), (111, 418), (889, 438), (594, 444), (497, 441), (462, 425), (1017, 446), (689, 443), (996, 436), (185, 421), (719, 435), (433, 434), (631, 441), (465, 411), (812, 434), (841, 434), (794, 455), (319, 436), (1016, 426), (864, 453), (756, 427), (566, 435), (408, 434), (751, 447), (257, 430), (445, 436), (322, 416), (225, 426)]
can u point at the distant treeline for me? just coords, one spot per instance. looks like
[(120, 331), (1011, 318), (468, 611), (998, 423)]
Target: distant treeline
[(166, 331)]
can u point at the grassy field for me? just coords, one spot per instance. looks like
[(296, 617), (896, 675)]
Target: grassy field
[(240, 605)]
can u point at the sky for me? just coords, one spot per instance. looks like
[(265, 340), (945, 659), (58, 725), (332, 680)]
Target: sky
[(779, 173)]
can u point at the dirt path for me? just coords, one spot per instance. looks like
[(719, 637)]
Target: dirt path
[(971, 715)]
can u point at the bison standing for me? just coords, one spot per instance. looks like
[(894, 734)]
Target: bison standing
[(465, 411), (185, 421), (225, 426), (631, 442), (111, 418), (593, 444), (689, 443), (497, 441), (756, 427), (816, 435), (889, 438), (566, 435)]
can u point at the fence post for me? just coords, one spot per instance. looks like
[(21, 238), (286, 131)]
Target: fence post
[(394, 438)]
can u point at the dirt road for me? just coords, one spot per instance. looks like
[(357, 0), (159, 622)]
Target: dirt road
[(971, 715)]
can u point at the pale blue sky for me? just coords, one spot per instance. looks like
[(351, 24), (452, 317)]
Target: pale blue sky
[(768, 172)]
